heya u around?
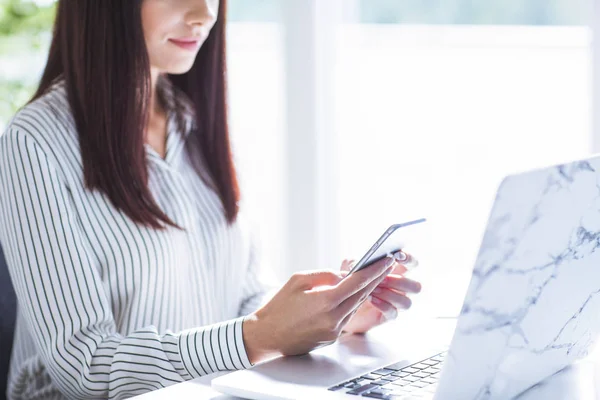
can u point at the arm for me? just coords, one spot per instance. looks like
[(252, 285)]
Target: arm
[(66, 308)]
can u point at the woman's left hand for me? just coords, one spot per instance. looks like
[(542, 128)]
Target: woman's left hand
[(385, 301)]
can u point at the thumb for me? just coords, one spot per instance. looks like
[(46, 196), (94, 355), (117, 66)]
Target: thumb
[(347, 265)]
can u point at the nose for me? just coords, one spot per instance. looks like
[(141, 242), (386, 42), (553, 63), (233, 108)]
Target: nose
[(202, 12)]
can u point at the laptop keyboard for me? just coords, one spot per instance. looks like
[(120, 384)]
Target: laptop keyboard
[(397, 380)]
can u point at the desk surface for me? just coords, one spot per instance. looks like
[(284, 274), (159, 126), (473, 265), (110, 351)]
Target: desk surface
[(577, 382)]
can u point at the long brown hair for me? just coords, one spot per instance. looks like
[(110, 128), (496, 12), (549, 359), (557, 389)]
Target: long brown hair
[(98, 47)]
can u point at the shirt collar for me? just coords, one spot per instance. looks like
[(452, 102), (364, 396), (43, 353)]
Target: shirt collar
[(180, 111), (180, 116)]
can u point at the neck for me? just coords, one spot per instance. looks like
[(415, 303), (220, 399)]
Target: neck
[(156, 133), (155, 108)]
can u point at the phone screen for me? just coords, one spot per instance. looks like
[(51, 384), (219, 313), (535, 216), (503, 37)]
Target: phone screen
[(392, 240)]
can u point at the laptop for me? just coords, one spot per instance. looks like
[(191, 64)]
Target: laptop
[(532, 308)]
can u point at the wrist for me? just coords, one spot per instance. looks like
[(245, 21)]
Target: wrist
[(256, 341)]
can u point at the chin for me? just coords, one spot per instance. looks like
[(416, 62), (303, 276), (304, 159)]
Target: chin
[(179, 69)]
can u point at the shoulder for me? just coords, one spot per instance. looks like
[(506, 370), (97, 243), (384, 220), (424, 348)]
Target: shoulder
[(46, 123)]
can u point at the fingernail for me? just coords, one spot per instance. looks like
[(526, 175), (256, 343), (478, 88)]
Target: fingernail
[(400, 256), (392, 314), (374, 300)]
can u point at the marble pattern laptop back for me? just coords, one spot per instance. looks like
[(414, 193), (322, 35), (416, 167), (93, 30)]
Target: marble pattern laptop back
[(533, 304)]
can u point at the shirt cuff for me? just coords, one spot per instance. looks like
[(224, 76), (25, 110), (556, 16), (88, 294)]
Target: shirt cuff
[(213, 348)]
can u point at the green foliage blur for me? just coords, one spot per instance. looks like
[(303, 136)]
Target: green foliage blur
[(25, 27)]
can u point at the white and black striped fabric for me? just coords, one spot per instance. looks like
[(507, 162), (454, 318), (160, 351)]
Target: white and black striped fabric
[(108, 308)]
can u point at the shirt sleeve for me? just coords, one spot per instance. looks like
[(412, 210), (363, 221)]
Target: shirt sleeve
[(255, 291), (61, 295)]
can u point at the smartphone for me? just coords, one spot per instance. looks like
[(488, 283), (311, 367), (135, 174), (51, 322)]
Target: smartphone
[(393, 240)]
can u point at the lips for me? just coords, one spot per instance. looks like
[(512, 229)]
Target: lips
[(185, 43)]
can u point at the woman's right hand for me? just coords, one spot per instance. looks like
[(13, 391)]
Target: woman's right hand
[(309, 311)]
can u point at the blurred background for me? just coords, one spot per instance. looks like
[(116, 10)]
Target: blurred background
[(350, 115)]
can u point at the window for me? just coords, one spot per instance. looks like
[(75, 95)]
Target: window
[(257, 115), (254, 10), (430, 117), (495, 12)]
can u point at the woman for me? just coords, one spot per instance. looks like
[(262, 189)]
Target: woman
[(119, 217)]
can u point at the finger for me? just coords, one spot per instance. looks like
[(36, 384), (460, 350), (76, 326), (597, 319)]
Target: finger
[(344, 273), (355, 301), (398, 300), (346, 319), (359, 280), (389, 311), (400, 284), (399, 269), (307, 280)]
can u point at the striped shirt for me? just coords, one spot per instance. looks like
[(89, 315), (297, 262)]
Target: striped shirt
[(109, 308)]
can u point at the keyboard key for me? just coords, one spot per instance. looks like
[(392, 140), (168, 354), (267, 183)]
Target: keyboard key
[(401, 374), (398, 396), (399, 390), (390, 378), (335, 388), (352, 385), (416, 396), (411, 378), (377, 395), (431, 370), (362, 381), (410, 370), (371, 377), (383, 371), (419, 384), (421, 374), (380, 382), (437, 358), (397, 366), (429, 380), (420, 366), (430, 362), (380, 390), (363, 389), (430, 389), (402, 382)]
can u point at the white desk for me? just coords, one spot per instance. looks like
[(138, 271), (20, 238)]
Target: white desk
[(577, 382)]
